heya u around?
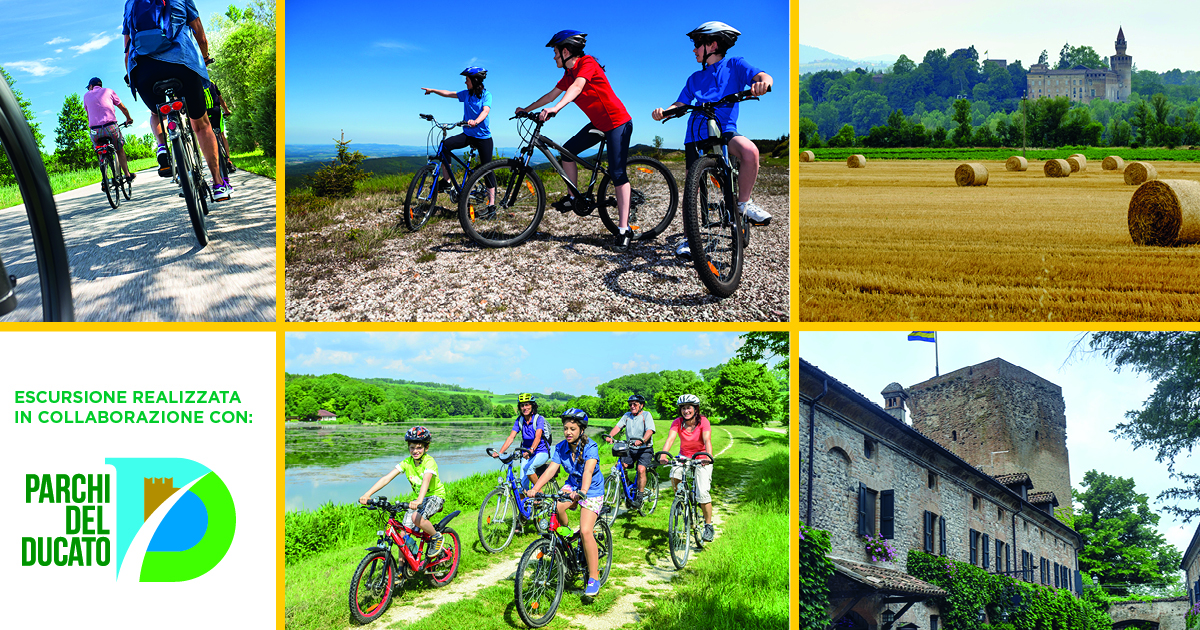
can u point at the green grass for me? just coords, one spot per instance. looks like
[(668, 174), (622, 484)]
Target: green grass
[(255, 162), (68, 180)]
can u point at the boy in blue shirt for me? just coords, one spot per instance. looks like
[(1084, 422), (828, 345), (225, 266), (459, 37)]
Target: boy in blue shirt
[(720, 77)]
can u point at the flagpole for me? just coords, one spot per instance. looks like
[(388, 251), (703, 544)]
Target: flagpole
[(937, 371)]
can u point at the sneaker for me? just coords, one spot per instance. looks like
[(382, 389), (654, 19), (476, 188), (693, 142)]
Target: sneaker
[(443, 186), (435, 547), (564, 205), (593, 587), (708, 533), (164, 162), (754, 214), (623, 239), (682, 250), (222, 192)]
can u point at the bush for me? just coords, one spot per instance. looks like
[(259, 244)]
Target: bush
[(337, 179), (815, 569)]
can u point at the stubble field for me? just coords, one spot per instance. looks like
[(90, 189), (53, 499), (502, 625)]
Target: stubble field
[(900, 241)]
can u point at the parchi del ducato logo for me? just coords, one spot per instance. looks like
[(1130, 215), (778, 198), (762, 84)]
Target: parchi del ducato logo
[(174, 519)]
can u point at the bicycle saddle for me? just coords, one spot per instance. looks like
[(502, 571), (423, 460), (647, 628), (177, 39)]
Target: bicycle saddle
[(161, 87)]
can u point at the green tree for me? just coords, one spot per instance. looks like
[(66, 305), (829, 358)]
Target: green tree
[(505, 411), (843, 138), (1169, 420), (73, 146), (761, 347), (962, 116), (337, 179), (1121, 544), (658, 142), (903, 65), (664, 400), (6, 172), (745, 393), (1064, 57), (242, 44), (614, 404), (1044, 57)]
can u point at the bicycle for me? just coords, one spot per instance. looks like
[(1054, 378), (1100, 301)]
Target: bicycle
[(54, 272), (547, 563), (425, 185), (113, 181), (381, 572), (521, 194), (185, 156), (497, 522), (687, 519), (617, 486), (716, 232)]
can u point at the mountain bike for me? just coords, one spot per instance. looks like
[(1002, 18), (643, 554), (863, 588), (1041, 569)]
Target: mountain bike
[(185, 156), (717, 234), (112, 179), (617, 486), (53, 270), (419, 203), (521, 194), (506, 506), (687, 519), (550, 560), (382, 571)]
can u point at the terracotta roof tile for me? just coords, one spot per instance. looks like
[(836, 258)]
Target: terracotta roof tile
[(884, 579), (1014, 478), (1037, 498)]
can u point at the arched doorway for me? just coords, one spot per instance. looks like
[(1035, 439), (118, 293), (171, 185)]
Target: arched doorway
[(850, 621), (1136, 624)]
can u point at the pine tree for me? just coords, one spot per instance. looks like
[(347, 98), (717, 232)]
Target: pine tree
[(73, 145)]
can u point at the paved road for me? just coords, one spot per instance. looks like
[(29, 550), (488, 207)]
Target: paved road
[(141, 262)]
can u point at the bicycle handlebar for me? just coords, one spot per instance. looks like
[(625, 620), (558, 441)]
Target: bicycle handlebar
[(439, 125), (681, 458), (533, 116), (737, 97), (502, 459)]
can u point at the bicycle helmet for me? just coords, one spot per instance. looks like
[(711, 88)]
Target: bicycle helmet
[(95, 81), (475, 72), (577, 416), (688, 399), (527, 398), (573, 41), (418, 434), (720, 32), (638, 398)]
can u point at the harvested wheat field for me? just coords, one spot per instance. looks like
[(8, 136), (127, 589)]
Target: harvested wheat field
[(901, 241)]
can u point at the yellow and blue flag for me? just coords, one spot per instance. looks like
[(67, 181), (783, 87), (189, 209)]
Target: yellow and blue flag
[(922, 335)]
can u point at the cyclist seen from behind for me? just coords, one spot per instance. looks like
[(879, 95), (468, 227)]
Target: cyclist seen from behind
[(695, 435), (422, 474), (720, 77), (218, 108), (585, 84), (164, 39), (101, 104), (639, 431), (477, 104), (535, 436), (580, 457)]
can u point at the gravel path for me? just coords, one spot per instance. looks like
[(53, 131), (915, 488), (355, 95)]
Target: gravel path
[(566, 272)]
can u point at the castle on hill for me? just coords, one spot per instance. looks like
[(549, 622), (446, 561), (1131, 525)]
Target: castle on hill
[(1082, 84)]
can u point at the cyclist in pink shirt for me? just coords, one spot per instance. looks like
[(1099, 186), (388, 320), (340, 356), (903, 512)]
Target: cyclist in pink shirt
[(101, 104), (695, 436)]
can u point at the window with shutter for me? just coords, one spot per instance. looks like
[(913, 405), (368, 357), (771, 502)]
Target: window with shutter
[(986, 553), (999, 557), (974, 547), (1056, 575), (942, 534), (862, 509), (928, 531), (887, 518)]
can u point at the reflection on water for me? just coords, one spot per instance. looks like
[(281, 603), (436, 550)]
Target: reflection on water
[(341, 462)]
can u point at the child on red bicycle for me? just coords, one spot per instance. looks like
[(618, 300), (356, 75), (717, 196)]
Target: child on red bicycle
[(422, 472), (579, 455), (720, 77)]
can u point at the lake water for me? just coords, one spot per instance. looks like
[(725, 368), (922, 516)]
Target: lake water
[(339, 463)]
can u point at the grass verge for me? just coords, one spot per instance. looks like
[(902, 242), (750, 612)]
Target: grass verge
[(255, 162), (69, 180)]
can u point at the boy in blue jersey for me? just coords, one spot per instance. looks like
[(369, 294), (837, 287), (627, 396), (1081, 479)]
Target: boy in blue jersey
[(721, 77)]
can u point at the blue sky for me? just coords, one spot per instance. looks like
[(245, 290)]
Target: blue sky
[(1096, 396), (52, 47), (361, 70), (504, 362)]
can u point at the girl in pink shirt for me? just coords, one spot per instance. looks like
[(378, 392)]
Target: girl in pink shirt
[(695, 435)]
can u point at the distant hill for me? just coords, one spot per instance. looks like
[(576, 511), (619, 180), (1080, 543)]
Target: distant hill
[(297, 153), (816, 59), (806, 54)]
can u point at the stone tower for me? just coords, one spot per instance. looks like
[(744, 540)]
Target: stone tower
[(894, 398), (1122, 64), (997, 406)]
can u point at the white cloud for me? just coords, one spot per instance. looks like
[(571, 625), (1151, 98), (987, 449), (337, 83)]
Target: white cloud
[(703, 348), (547, 390), (393, 45), (516, 375), (97, 42), (637, 363), (397, 366), (57, 40), (570, 374), (38, 68), (57, 50), (146, 125), (297, 335), (732, 345), (320, 356)]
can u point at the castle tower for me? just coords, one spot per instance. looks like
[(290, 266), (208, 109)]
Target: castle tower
[(894, 397), (977, 411), (1122, 64)]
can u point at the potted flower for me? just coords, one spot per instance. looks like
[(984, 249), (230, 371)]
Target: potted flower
[(879, 549)]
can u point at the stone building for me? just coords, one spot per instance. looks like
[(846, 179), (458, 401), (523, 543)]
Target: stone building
[(1191, 569), (1082, 84), (866, 471)]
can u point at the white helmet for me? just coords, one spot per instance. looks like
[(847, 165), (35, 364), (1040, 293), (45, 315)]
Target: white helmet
[(720, 32), (688, 399)]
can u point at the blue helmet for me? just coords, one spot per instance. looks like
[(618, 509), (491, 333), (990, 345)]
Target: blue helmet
[(475, 72), (568, 38), (577, 416)]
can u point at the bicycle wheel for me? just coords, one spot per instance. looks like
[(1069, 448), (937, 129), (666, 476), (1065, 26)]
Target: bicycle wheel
[(371, 587), (126, 187), (520, 203), (697, 523), (653, 198), (54, 272), (613, 490), (444, 571), (418, 202), (678, 528), (712, 225), (108, 182), (540, 581), (604, 548), (497, 521), (650, 499), (190, 190)]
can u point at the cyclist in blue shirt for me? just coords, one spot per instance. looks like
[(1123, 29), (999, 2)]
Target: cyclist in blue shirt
[(535, 436), (720, 77), (477, 104), (579, 455)]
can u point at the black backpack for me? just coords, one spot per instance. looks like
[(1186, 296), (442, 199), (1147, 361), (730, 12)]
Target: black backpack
[(153, 29)]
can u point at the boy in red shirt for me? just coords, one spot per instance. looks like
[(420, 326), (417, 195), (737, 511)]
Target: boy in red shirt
[(585, 84)]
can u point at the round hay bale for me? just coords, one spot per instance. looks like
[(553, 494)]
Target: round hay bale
[(971, 174), (1082, 159), (1057, 168), (1137, 173), (807, 156), (1016, 163), (856, 161), (1165, 212), (1077, 163), (1113, 163)]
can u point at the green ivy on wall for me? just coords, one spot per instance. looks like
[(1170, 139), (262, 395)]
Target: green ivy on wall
[(815, 569)]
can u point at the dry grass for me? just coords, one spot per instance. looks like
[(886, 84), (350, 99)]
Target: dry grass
[(900, 241)]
